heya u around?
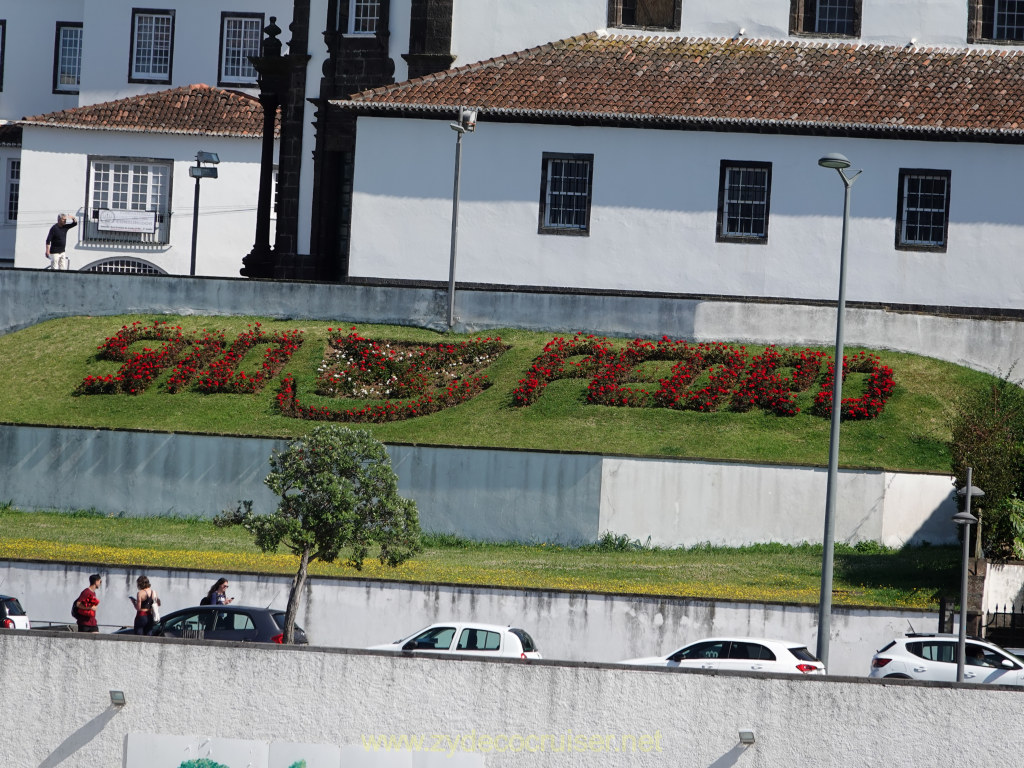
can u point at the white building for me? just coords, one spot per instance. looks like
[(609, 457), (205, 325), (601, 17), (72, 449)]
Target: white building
[(122, 168), (608, 162), (80, 53)]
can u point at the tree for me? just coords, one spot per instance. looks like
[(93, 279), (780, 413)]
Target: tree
[(988, 436), (338, 491)]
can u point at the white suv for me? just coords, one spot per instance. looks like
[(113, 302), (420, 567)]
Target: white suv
[(469, 639), (933, 657), (12, 615)]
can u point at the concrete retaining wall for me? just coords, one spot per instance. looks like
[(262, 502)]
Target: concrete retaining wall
[(358, 613), (30, 296), (486, 494), (267, 706)]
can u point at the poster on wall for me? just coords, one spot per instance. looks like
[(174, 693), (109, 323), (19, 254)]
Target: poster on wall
[(155, 750)]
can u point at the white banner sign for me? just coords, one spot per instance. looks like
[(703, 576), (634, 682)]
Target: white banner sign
[(111, 220)]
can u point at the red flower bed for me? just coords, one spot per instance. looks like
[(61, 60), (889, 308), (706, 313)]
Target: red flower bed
[(733, 378), (222, 374), (139, 370), (876, 392)]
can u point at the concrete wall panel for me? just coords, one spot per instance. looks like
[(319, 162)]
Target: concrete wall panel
[(357, 613), (346, 699)]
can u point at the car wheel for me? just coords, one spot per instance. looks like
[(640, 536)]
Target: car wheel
[(898, 676)]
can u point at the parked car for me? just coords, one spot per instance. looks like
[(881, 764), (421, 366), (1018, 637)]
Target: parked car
[(468, 638), (922, 656), (242, 623), (739, 654), (12, 615)]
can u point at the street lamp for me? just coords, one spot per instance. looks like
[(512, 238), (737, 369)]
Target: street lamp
[(197, 172), (966, 520), (840, 164), (467, 122)]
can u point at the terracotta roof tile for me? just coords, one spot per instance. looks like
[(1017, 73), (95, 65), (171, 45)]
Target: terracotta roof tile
[(191, 109), (640, 79)]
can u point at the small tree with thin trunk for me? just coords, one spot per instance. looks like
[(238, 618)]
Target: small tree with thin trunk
[(338, 491)]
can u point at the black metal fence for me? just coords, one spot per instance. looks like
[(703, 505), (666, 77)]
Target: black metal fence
[(1005, 626)]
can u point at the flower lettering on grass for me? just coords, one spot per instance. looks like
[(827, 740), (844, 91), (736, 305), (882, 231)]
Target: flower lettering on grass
[(429, 378), (704, 377), (208, 366)]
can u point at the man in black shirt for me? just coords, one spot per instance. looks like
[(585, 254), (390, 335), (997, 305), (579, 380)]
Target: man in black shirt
[(56, 241)]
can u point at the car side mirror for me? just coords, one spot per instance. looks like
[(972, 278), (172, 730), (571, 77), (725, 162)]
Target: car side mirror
[(409, 646), (675, 657), (1007, 664)]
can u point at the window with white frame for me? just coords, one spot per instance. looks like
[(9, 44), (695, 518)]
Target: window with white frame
[(922, 215), (67, 57), (646, 14), (744, 196), (1000, 21), (3, 47), (12, 188), (241, 35), (825, 18), (363, 16), (129, 200), (565, 193), (152, 46)]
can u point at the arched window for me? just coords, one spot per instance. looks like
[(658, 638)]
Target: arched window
[(123, 266)]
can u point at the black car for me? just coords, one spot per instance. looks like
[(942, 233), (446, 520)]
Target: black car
[(241, 623)]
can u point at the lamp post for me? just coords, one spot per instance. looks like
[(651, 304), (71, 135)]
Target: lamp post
[(467, 122), (964, 519), (198, 172), (840, 164)]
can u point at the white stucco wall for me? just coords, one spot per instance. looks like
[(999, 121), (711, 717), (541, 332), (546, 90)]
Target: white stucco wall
[(1004, 586), (654, 207), (211, 693), (55, 170), (689, 503), (28, 57), (107, 44), (576, 626)]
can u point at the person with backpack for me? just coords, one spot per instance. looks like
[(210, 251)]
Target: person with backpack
[(84, 608), (216, 595)]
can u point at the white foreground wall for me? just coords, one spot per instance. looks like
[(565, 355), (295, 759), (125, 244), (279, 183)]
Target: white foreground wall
[(1004, 586), (577, 626), (654, 209), (188, 700), (54, 179)]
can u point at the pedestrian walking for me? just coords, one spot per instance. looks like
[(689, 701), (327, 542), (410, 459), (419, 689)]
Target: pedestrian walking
[(218, 594), (84, 607), (146, 602)]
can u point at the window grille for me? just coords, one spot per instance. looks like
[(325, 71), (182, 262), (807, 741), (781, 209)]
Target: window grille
[(744, 195), (13, 189), (154, 35), (1009, 20), (567, 193), (241, 39), (124, 267), (68, 70), (120, 186), (924, 209), (363, 16), (834, 17)]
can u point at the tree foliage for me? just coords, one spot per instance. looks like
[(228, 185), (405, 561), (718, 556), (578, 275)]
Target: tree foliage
[(988, 436), (338, 492)]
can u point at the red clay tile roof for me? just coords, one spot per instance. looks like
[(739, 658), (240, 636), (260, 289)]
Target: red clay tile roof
[(744, 83), (192, 109)]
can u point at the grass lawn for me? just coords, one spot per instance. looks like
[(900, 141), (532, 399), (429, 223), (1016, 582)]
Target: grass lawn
[(45, 363), (914, 577)]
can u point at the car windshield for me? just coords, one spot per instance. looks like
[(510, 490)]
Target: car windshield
[(13, 606)]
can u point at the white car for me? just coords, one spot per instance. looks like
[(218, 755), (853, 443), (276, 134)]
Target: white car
[(468, 638), (739, 654), (933, 657), (12, 615)]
